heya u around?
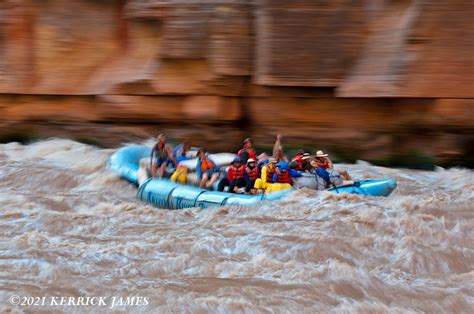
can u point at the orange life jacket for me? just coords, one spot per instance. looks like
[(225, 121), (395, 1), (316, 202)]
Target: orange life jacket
[(206, 165)]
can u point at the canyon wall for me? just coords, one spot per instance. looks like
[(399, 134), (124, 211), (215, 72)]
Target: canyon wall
[(368, 79)]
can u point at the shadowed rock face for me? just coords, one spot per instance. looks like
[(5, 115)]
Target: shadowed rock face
[(308, 43), (263, 65), (418, 49)]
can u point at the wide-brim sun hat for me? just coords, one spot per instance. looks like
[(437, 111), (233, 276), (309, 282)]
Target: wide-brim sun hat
[(320, 153)]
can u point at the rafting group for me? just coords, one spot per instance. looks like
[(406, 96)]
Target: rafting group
[(247, 173)]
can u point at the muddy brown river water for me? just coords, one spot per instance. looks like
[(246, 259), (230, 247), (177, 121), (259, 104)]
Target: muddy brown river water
[(70, 228)]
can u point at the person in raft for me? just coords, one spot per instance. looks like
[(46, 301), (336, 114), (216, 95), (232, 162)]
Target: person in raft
[(300, 160), (206, 170), (235, 177), (306, 163), (247, 151), (180, 151), (266, 175), (160, 155), (284, 174), (250, 175), (321, 160), (297, 161)]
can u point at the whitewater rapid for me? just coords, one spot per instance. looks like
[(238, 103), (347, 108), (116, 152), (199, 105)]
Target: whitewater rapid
[(69, 227)]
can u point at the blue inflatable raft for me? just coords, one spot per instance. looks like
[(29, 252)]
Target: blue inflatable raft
[(163, 193)]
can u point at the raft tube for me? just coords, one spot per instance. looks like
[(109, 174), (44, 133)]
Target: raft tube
[(126, 161), (367, 187), (164, 193)]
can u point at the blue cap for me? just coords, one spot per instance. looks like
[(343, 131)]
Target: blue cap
[(283, 165), (236, 159)]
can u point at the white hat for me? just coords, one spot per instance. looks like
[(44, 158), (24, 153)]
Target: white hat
[(250, 160), (320, 153)]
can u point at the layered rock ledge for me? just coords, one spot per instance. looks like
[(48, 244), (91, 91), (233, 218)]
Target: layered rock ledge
[(369, 79)]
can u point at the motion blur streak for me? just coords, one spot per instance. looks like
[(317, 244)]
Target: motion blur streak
[(68, 226)]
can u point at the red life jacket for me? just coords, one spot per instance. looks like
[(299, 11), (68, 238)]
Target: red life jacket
[(235, 173), (284, 177), (252, 173), (206, 164), (323, 163), (270, 174), (299, 160)]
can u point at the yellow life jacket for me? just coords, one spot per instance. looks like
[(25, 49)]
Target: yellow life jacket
[(180, 175)]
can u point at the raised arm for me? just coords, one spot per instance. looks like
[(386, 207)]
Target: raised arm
[(278, 150)]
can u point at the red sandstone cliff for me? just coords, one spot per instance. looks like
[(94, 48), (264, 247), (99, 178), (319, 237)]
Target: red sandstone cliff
[(349, 72)]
